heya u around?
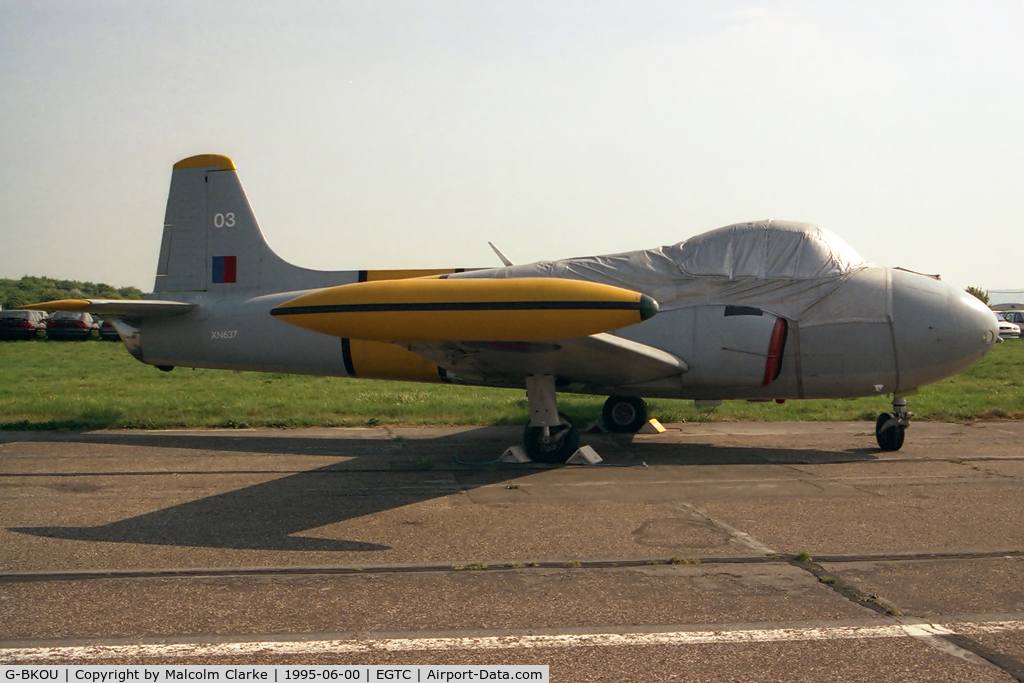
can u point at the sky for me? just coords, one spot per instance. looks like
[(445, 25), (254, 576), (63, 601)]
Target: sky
[(387, 134)]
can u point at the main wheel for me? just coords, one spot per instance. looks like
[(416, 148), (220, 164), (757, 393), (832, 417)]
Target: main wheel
[(562, 442), (892, 438), (624, 414)]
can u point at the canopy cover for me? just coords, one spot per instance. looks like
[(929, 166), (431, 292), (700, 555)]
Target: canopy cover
[(782, 267), (767, 250)]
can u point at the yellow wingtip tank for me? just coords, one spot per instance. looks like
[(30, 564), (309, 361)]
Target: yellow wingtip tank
[(521, 309), (59, 305)]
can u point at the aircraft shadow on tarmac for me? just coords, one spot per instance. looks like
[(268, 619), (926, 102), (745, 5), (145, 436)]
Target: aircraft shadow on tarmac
[(266, 516)]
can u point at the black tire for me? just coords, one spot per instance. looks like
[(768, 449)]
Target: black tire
[(891, 439), (557, 448), (624, 414)]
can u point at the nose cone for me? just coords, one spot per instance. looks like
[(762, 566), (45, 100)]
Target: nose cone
[(939, 329), (977, 325)]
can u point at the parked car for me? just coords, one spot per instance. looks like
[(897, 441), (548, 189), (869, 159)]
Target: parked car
[(1015, 317), (1007, 328), (22, 325), (72, 325), (107, 331)]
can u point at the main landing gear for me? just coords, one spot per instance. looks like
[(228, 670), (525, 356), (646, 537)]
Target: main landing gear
[(549, 437), (890, 428), (624, 414)]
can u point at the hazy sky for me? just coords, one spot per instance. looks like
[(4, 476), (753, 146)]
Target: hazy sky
[(408, 134)]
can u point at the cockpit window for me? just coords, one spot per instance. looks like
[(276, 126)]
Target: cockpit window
[(766, 250)]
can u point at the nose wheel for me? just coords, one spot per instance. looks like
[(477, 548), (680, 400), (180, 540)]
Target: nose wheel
[(890, 428)]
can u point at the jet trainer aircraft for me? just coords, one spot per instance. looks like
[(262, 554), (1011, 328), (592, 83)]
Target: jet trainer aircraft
[(758, 311)]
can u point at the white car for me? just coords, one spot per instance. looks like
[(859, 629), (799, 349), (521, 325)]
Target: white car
[(1007, 329), (1015, 316)]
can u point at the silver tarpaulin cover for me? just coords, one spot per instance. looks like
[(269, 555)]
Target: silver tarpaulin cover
[(782, 267)]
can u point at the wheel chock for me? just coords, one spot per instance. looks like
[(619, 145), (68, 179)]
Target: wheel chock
[(652, 426), (597, 426), (515, 454), (584, 455)]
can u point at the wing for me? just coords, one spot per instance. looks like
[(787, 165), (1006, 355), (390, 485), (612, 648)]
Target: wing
[(145, 308), (599, 360)]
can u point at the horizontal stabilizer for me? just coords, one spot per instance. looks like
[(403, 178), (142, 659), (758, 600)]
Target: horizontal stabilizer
[(438, 309), (120, 308)]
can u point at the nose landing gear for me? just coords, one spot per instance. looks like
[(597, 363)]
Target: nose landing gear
[(890, 428)]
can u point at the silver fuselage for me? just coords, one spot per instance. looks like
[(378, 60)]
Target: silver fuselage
[(891, 331)]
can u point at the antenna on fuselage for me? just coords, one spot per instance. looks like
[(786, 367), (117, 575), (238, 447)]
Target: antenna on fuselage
[(500, 255)]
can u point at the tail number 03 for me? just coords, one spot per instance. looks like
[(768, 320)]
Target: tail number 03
[(223, 220)]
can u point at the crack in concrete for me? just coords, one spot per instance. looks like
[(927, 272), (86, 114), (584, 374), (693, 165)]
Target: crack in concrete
[(764, 556), (938, 637), (740, 538)]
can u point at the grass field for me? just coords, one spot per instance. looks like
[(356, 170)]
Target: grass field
[(91, 385)]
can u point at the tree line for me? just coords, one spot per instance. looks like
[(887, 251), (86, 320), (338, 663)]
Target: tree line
[(980, 293), (33, 290)]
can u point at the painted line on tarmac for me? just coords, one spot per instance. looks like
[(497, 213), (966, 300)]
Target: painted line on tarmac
[(86, 653), (741, 538)]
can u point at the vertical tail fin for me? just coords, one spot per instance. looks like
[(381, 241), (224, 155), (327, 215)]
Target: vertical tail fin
[(211, 240)]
